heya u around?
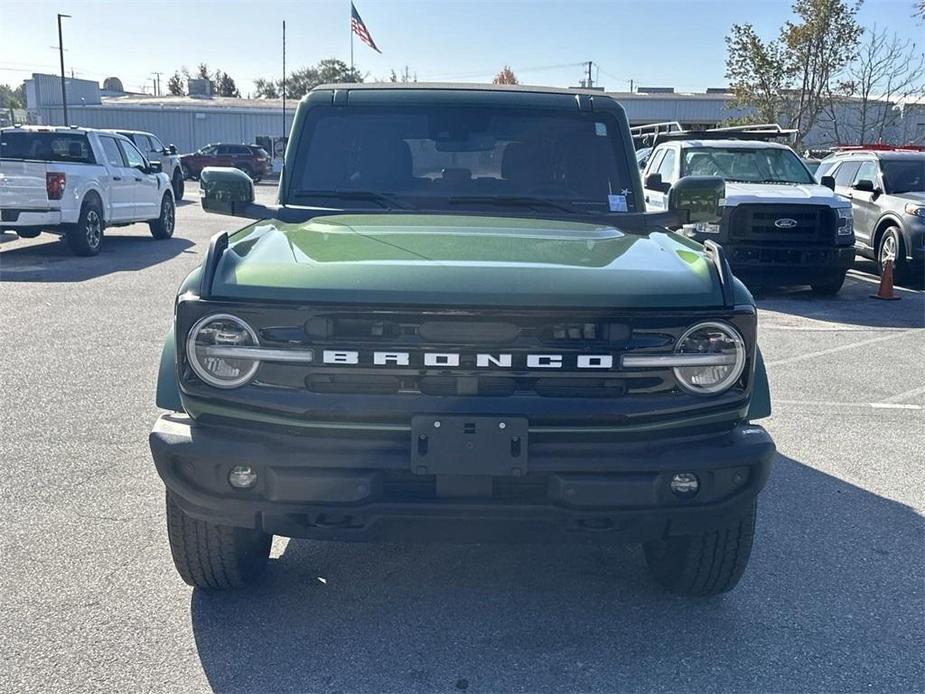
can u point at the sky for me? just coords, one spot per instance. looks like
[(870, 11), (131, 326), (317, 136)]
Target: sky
[(677, 43)]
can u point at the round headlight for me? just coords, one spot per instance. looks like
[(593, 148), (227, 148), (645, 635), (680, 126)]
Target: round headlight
[(711, 339), (210, 348)]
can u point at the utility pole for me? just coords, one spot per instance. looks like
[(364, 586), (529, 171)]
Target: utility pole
[(631, 86), (61, 55), (284, 81), (590, 81), (157, 85)]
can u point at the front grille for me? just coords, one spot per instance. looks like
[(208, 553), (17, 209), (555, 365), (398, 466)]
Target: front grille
[(400, 486), (799, 224)]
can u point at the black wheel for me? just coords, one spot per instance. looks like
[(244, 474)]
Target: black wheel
[(705, 564), (891, 248), (185, 172), (86, 237), (28, 233), (831, 287), (177, 185), (246, 169), (162, 227), (208, 555)]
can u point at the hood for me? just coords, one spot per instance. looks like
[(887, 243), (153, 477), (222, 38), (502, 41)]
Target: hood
[(796, 193), (916, 196), (464, 260)]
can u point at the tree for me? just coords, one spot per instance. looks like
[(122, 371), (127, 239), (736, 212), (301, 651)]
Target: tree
[(265, 89), (11, 98), (404, 77), (788, 79), (303, 80), (506, 76), (757, 73), (888, 70), (175, 83), (224, 85)]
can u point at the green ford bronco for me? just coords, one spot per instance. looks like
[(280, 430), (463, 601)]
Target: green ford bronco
[(458, 324)]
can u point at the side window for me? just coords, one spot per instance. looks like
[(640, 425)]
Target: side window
[(210, 150), (132, 155), (868, 172), (654, 161), (112, 152), (666, 166), (844, 175), (143, 142), (156, 145), (223, 150), (241, 149)]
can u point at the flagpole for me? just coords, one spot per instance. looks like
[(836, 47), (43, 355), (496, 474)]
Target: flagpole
[(351, 36)]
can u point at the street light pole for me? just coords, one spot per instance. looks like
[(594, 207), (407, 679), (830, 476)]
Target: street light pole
[(61, 54)]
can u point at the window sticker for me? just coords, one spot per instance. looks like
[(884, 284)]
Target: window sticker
[(617, 203), (600, 129)]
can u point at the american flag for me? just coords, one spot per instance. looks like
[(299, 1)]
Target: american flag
[(359, 28)]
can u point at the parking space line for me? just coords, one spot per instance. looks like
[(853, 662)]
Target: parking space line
[(855, 274), (899, 397), (840, 348), (850, 405)]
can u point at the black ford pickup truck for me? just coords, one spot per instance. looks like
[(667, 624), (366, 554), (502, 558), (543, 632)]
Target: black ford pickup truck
[(459, 324)]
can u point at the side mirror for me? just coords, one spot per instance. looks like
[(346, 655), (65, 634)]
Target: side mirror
[(828, 182), (170, 149), (698, 198), (654, 182), (225, 190), (864, 186), (154, 167)]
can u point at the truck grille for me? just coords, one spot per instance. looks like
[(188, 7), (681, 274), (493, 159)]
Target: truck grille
[(783, 223)]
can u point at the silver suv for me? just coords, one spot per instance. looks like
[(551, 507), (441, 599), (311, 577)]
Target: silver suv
[(886, 186)]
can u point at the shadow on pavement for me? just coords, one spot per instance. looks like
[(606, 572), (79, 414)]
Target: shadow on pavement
[(851, 306), (832, 600), (54, 262)]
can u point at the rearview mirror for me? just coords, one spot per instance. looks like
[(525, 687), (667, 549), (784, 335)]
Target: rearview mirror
[(864, 186), (654, 182), (225, 190), (828, 182), (699, 198)]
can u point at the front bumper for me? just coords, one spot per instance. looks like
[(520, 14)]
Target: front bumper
[(351, 486), (788, 264)]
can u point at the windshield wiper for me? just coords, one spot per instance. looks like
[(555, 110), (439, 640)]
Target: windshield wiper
[(510, 201), (387, 200)]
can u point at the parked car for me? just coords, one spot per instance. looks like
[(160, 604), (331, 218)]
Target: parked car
[(78, 182), (886, 186), (469, 336), (251, 159), (154, 150), (778, 225)]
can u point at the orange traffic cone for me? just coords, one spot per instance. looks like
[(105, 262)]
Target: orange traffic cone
[(885, 291)]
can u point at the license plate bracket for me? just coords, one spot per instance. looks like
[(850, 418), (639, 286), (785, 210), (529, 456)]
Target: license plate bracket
[(461, 445)]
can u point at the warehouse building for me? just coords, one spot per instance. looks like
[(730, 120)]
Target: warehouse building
[(190, 122)]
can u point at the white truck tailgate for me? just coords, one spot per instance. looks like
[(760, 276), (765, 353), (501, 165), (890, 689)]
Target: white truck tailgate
[(22, 185)]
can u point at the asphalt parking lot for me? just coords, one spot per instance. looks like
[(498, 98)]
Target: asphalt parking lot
[(833, 600)]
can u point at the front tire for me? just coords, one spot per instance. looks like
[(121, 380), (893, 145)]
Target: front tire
[(208, 555), (891, 248), (86, 237), (162, 227), (704, 564), (177, 185), (830, 288)]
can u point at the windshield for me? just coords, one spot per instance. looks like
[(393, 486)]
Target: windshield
[(432, 157), (903, 176), (742, 164)]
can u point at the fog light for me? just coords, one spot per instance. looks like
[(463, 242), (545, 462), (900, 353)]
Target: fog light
[(685, 485), (242, 477)]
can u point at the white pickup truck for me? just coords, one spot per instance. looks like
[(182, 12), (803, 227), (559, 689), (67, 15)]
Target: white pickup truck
[(778, 226), (77, 182)]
